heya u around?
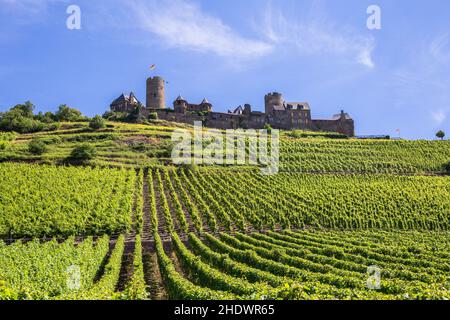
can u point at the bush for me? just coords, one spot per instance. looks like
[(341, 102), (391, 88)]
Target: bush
[(37, 147), (153, 116), (115, 116), (5, 139), (447, 167), (3, 145), (97, 123), (65, 113), (8, 136), (15, 122), (83, 153)]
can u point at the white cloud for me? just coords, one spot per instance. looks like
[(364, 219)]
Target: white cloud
[(183, 24), (315, 34), (440, 48), (439, 116)]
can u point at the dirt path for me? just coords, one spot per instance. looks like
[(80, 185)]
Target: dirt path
[(152, 273), (147, 227), (126, 269)]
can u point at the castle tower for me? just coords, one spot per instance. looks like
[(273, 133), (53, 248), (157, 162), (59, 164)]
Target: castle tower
[(273, 99), (155, 93), (180, 105)]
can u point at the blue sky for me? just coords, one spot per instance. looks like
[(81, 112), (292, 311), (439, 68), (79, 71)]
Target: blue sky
[(233, 52)]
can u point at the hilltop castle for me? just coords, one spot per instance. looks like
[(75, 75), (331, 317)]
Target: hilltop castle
[(279, 114)]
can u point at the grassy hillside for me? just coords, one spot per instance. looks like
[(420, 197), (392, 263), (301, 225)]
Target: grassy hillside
[(134, 145)]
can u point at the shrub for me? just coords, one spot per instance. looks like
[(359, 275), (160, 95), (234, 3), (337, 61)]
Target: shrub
[(447, 167), (97, 123), (83, 153), (153, 116), (115, 116), (37, 147)]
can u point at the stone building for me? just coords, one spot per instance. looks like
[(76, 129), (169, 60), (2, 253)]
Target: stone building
[(180, 105), (279, 114), (125, 103)]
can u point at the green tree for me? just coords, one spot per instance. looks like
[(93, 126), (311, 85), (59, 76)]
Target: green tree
[(24, 110), (65, 113), (97, 123), (440, 134), (83, 153), (47, 117), (36, 146)]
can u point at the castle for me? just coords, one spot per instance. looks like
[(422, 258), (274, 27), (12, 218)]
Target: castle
[(279, 114)]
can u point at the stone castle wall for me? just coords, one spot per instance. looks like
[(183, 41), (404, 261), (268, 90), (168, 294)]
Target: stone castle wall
[(225, 121), (344, 126)]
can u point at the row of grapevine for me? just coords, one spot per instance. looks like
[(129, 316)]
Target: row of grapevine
[(38, 201), (200, 203), (105, 287), (136, 288), (175, 202), (332, 201), (163, 203), (363, 156), (260, 260), (41, 270), (177, 286), (192, 210), (139, 203)]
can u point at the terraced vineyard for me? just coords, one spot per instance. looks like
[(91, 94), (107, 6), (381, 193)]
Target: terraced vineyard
[(132, 145), (222, 234), (363, 156)]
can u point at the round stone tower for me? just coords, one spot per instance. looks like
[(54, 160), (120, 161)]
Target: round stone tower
[(273, 99), (155, 93)]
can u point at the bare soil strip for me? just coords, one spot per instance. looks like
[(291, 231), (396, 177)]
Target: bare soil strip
[(147, 227), (152, 273), (126, 269)]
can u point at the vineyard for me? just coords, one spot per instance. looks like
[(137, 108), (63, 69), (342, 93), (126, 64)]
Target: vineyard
[(360, 156), (136, 146), (38, 201), (210, 233)]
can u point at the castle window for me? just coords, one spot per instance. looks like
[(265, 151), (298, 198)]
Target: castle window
[(154, 95)]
